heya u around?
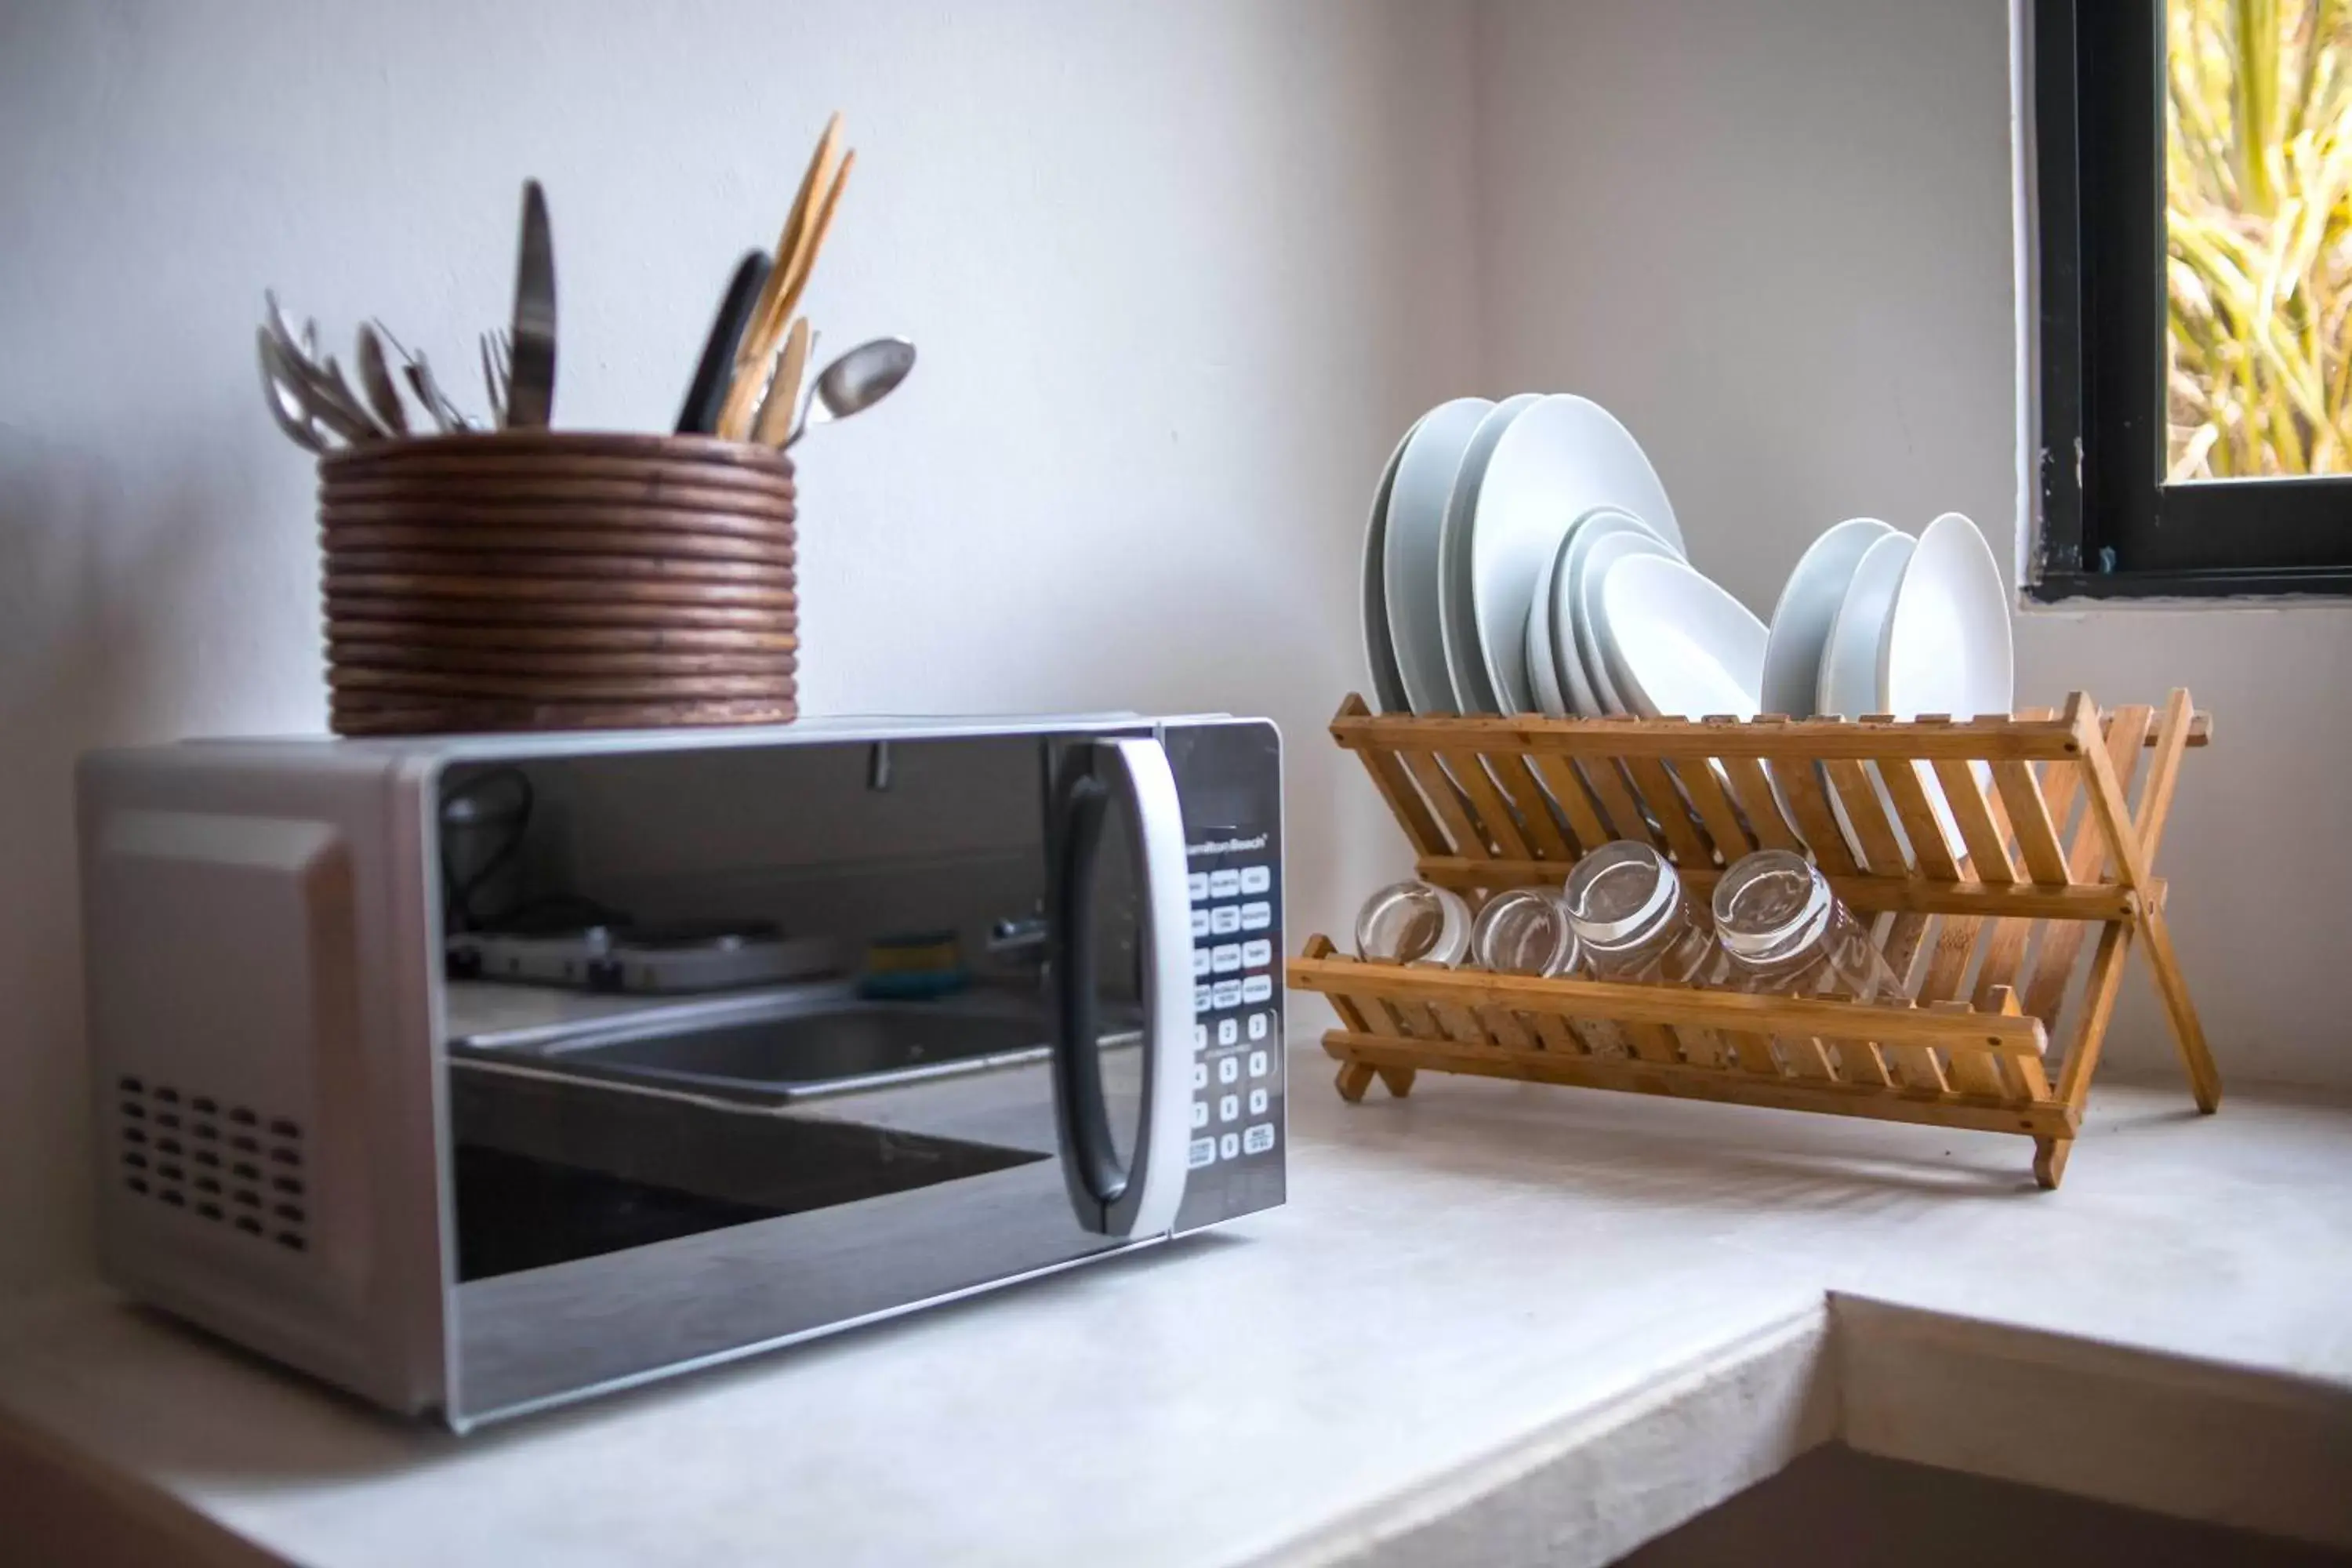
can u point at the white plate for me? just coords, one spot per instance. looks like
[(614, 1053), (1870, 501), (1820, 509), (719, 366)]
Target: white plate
[(1600, 541), (1946, 648), (1555, 462), (1542, 652), (1849, 679), (1677, 645), (1416, 517), (1807, 609), (1550, 653), (1379, 647), (1848, 686), (1465, 666)]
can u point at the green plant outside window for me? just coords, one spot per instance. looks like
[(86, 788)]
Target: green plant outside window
[(2259, 218)]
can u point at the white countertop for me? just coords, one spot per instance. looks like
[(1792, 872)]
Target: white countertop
[(1575, 1314)]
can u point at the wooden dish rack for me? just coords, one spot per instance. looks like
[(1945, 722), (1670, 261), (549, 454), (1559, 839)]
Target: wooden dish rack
[(2055, 845)]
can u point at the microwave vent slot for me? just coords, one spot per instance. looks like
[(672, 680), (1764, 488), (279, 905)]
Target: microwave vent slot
[(169, 1150)]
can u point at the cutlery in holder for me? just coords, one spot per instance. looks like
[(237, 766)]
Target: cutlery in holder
[(1991, 856)]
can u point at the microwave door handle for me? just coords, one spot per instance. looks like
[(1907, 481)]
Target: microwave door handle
[(1139, 1201)]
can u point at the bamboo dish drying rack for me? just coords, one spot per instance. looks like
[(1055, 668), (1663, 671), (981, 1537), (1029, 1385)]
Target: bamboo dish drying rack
[(2055, 845)]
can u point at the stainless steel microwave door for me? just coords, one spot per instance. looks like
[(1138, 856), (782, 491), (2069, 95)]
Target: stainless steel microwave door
[(668, 1182)]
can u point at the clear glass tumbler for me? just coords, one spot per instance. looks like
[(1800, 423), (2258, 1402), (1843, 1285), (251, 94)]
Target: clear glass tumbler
[(1524, 930), (1633, 919), (1413, 923), (1782, 930)]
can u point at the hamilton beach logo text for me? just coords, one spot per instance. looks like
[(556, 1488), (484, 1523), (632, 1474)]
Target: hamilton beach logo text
[(1226, 845)]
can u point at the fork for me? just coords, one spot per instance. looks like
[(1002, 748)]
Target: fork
[(497, 373)]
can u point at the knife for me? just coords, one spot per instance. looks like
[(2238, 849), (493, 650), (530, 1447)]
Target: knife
[(700, 416), (530, 398)]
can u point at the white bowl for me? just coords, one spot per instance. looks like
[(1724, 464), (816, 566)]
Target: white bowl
[(1675, 643), (1602, 542)]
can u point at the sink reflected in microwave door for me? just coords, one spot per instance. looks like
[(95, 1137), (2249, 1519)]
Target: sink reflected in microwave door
[(624, 1204)]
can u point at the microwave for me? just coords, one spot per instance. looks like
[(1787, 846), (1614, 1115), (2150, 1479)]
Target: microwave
[(479, 1074)]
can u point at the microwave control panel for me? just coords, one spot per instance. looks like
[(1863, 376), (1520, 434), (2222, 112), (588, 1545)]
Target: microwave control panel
[(1229, 775)]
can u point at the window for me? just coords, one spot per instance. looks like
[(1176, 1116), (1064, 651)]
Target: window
[(2192, 162)]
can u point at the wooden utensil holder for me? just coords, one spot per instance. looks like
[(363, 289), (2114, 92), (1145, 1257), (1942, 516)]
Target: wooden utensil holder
[(2055, 845), (547, 580)]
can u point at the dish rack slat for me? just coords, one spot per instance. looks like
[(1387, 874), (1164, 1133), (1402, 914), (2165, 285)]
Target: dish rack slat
[(1983, 852)]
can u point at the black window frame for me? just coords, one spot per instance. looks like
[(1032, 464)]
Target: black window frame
[(2109, 527)]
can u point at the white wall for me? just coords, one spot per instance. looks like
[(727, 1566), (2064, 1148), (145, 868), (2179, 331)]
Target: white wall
[(1178, 273), (1775, 237)]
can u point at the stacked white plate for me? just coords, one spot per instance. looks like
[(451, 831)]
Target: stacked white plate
[(1522, 557), (1874, 621), (1493, 530)]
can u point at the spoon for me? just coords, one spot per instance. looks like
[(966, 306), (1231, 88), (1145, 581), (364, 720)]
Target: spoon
[(285, 407), (855, 381), (321, 386), (320, 402), (375, 380)]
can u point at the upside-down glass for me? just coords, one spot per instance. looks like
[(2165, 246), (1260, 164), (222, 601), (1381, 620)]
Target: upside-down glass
[(1633, 919), (1524, 930), (1413, 923), (1782, 930)]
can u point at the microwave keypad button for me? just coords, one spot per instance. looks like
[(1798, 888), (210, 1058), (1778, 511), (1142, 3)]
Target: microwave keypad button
[(1226, 958), (1256, 916), (1224, 884), (1203, 1151), (1200, 1114), (1200, 1075), (1259, 1065), (1229, 1070), (1201, 1035), (1256, 879), (1229, 1031), (1225, 920), (1258, 1141), (1257, 1105), (1197, 886), (1199, 922), (1201, 999), (1200, 962), (1256, 988), (1229, 1147), (1229, 1108), (1260, 1025), (1256, 953)]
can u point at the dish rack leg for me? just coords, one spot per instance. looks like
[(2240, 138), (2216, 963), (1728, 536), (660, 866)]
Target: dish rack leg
[(1354, 1079), (1399, 1079), (2204, 1077), (2050, 1159)]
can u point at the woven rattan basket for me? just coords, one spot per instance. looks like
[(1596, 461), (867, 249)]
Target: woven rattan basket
[(542, 580)]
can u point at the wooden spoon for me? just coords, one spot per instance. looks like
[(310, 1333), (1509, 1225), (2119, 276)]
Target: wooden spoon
[(785, 393), (803, 234)]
